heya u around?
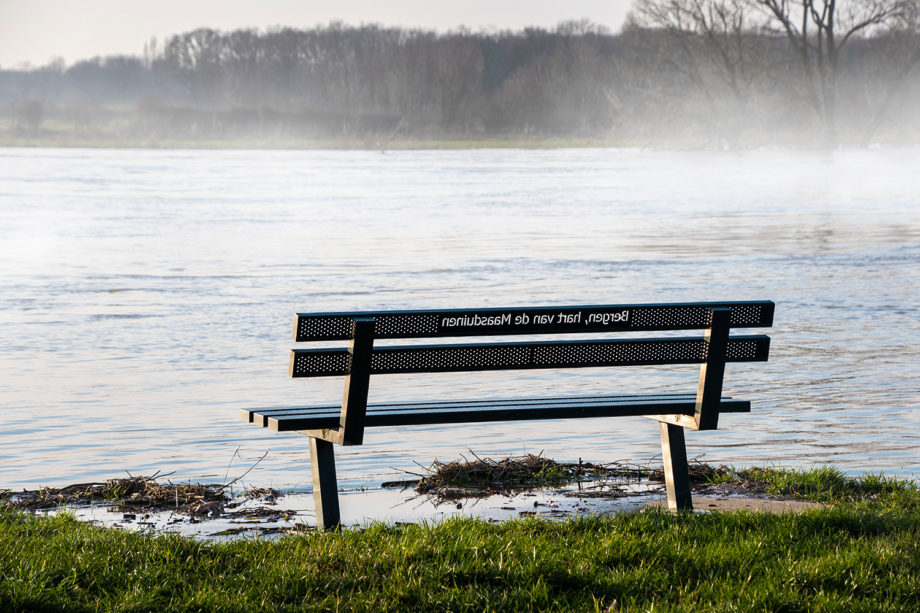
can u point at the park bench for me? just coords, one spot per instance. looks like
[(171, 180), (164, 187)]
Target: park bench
[(344, 423)]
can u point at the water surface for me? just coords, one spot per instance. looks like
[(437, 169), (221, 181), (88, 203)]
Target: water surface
[(145, 296)]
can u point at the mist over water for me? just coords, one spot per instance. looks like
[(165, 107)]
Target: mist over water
[(732, 74), (148, 295)]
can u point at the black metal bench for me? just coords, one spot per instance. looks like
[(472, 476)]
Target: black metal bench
[(345, 423)]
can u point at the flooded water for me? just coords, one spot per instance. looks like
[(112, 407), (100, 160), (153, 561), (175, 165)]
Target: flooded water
[(146, 296)]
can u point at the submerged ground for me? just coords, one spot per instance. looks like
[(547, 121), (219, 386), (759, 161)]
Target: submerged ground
[(478, 488)]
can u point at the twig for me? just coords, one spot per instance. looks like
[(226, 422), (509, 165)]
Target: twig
[(474, 455), (408, 472), (223, 487), (230, 463)]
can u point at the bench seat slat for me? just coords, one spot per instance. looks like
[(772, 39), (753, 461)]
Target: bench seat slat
[(310, 418), (260, 415), (505, 356)]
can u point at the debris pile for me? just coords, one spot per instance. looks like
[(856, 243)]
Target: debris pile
[(130, 493), (484, 476)]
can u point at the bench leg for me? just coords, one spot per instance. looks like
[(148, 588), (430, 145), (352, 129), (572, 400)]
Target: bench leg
[(325, 488), (676, 471)]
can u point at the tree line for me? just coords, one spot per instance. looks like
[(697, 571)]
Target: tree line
[(711, 72)]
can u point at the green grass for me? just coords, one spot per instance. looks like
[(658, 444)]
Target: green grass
[(820, 484), (857, 555)]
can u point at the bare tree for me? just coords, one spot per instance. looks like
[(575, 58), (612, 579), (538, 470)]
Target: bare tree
[(818, 31), (901, 47), (708, 31), (715, 49)]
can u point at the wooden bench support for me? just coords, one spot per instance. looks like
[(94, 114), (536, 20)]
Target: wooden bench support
[(676, 470), (325, 488)]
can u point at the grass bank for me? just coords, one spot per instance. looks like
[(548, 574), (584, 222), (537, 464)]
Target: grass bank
[(862, 553), (70, 139)]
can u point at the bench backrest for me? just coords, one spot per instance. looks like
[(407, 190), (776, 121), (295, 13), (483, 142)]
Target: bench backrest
[(361, 359), (362, 328)]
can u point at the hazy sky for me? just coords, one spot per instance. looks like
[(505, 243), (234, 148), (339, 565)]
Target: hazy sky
[(35, 31)]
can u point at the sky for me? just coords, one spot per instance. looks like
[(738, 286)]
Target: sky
[(37, 31)]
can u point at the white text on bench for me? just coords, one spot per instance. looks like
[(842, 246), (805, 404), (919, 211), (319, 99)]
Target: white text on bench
[(561, 318), (608, 318), (477, 320)]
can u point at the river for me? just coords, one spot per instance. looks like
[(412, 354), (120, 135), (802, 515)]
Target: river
[(148, 295)]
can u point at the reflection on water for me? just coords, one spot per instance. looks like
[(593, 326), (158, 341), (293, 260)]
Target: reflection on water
[(147, 295)]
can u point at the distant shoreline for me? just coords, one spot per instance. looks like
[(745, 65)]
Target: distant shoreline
[(350, 144), (445, 143)]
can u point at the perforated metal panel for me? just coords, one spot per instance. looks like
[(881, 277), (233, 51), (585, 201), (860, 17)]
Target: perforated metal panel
[(401, 326), (510, 356), (339, 327), (322, 328), (537, 320), (752, 315), (746, 350), (460, 357), (620, 353), (319, 363), (665, 317)]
